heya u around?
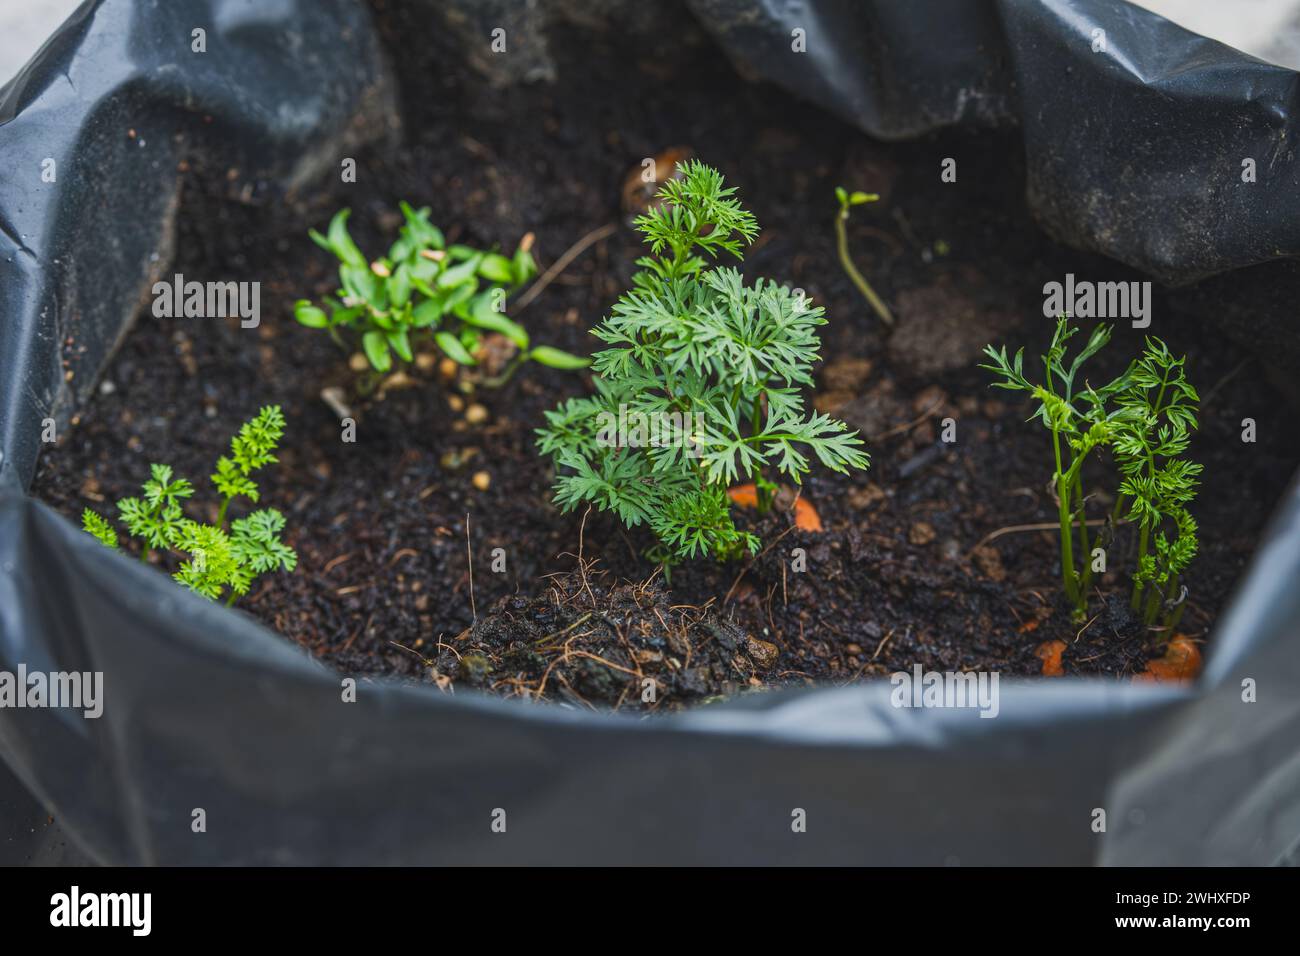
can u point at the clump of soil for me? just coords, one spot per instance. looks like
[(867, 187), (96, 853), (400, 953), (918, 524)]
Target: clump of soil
[(944, 553), (589, 641)]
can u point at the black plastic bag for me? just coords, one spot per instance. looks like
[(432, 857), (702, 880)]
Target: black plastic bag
[(207, 710)]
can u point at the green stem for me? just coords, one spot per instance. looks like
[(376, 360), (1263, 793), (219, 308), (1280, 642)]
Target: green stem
[(507, 373), (1136, 603), (1067, 541), (1083, 543), (856, 277), (368, 382), (1152, 606), (230, 600), (1177, 614), (221, 514), (144, 547)]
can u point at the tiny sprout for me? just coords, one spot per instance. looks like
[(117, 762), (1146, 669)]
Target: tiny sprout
[(847, 201), (426, 289), (217, 558)]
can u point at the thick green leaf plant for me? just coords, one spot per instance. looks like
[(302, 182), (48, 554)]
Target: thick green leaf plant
[(424, 288)]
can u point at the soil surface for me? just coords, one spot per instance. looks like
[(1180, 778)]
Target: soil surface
[(915, 564)]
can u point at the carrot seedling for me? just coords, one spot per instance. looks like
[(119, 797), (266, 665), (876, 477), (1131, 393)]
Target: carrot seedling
[(699, 387), (1079, 422), (217, 557), (1145, 417), (847, 201), (1158, 482)]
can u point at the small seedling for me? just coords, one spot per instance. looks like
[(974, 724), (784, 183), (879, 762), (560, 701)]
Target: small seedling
[(714, 366), (1077, 419), (1151, 438), (217, 558), (847, 201), (1145, 433), (424, 288)]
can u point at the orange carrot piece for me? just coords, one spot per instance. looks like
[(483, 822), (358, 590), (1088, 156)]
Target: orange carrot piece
[(806, 517), (1182, 661), (744, 495), (1049, 652)]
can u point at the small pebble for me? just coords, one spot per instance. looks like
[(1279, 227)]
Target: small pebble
[(476, 414), (481, 480), (763, 653), (989, 561)]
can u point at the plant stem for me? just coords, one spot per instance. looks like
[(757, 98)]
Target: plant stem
[(221, 514), (498, 380), (1166, 599), (1137, 580), (1177, 614), (1067, 542), (856, 277), (1083, 544), (1152, 606), (231, 600)]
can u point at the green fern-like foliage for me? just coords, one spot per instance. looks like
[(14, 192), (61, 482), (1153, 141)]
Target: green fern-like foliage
[(1158, 482), (94, 524), (1145, 417), (212, 564), (155, 516), (252, 448), (216, 562), (722, 362), (256, 543), (1080, 419)]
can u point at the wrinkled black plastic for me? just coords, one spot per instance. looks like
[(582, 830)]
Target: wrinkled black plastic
[(207, 709)]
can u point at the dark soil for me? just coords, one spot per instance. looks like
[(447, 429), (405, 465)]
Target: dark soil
[(907, 570)]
